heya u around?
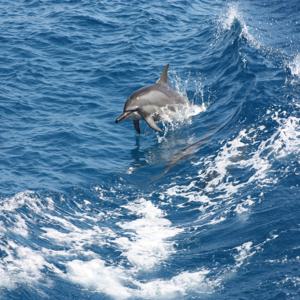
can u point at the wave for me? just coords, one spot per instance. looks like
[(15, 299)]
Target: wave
[(140, 234), (233, 14), (115, 280), (68, 250), (246, 162)]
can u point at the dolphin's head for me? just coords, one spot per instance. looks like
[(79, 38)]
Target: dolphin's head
[(123, 116), (129, 108)]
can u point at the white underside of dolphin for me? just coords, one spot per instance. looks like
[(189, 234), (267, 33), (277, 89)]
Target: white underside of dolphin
[(148, 102)]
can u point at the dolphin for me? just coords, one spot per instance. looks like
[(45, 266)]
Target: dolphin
[(147, 102)]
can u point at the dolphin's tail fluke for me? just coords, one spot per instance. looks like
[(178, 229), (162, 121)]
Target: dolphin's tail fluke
[(123, 116)]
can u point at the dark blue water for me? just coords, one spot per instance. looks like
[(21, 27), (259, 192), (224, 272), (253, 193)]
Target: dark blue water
[(207, 210)]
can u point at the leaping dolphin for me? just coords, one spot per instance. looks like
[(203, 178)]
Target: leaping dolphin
[(147, 102)]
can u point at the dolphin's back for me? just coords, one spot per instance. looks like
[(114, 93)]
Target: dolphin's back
[(157, 95)]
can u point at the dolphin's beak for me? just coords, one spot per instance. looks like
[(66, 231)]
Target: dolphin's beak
[(123, 116)]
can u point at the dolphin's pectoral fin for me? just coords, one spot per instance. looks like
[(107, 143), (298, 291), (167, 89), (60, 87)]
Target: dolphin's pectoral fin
[(136, 124), (150, 121)]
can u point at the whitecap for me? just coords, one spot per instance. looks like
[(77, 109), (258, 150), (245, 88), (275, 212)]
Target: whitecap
[(233, 14), (97, 276), (252, 152), (28, 199), (21, 265), (20, 226), (178, 286), (145, 241), (244, 252), (286, 140)]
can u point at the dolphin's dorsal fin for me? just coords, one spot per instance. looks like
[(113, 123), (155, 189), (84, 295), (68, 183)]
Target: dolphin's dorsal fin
[(164, 75)]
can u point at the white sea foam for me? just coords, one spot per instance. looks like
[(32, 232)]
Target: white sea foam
[(286, 139), (178, 286), (20, 226), (114, 281), (73, 237), (244, 252), (189, 192), (28, 199), (232, 155), (248, 153), (76, 239), (145, 241), (21, 265), (198, 282), (244, 207), (217, 220), (146, 245), (148, 242), (96, 276)]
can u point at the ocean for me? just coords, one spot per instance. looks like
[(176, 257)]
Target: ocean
[(207, 209)]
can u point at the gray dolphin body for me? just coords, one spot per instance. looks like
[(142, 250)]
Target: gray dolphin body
[(147, 102)]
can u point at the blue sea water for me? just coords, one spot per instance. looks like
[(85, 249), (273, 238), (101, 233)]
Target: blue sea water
[(209, 209)]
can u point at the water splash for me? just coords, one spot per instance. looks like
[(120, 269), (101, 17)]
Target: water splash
[(294, 66), (233, 14), (176, 116)]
